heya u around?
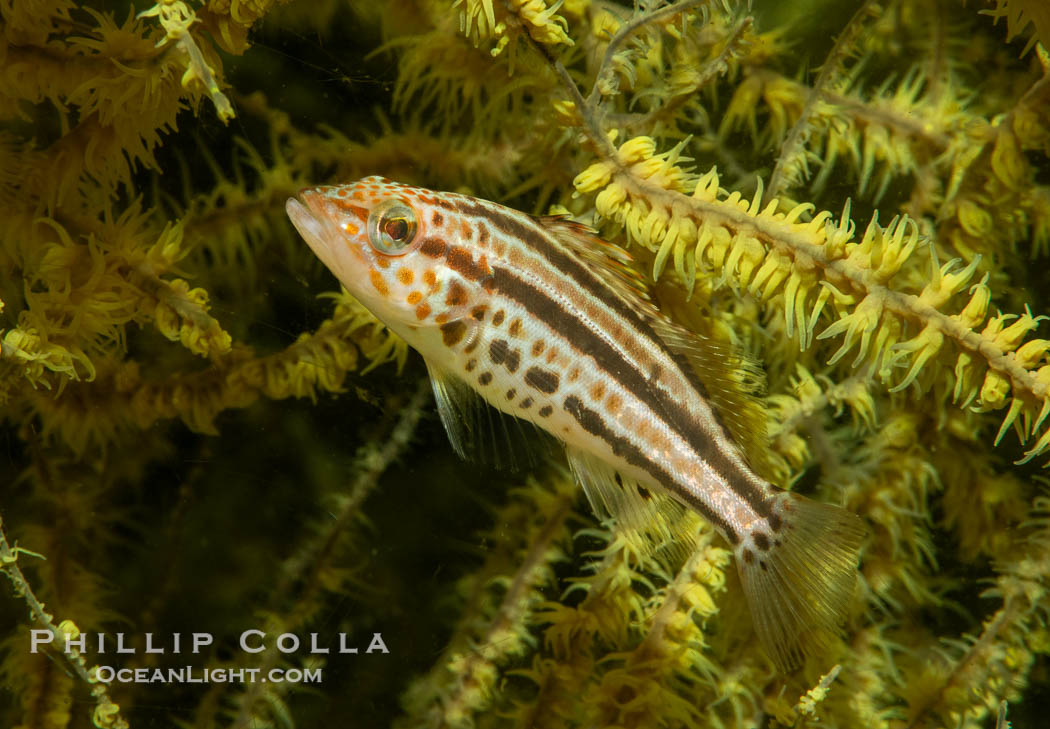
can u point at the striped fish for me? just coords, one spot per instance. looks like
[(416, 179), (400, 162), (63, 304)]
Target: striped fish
[(544, 321)]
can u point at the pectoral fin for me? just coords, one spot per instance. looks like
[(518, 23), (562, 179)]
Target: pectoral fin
[(479, 431)]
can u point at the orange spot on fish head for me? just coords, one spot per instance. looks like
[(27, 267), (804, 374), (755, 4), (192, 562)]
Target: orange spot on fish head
[(338, 207), (378, 282), (401, 286)]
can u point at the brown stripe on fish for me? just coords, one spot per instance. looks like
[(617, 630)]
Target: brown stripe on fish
[(460, 260), (433, 247), (615, 366), (608, 315), (598, 314), (535, 238), (528, 231), (606, 309), (591, 421)]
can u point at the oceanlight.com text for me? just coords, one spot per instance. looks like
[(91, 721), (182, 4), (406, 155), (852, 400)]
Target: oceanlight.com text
[(193, 674)]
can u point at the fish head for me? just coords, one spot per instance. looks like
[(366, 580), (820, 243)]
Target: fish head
[(369, 233)]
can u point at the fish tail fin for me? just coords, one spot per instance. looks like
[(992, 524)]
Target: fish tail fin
[(799, 580)]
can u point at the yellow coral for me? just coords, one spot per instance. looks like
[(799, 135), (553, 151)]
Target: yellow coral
[(166, 368), (176, 18)]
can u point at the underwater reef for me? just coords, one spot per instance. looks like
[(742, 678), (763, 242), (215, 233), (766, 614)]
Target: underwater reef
[(203, 435)]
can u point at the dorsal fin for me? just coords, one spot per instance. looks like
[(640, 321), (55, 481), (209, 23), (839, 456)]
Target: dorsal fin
[(735, 382), (614, 265)]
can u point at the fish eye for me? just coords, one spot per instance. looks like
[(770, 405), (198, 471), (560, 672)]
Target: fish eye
[(392, 227)]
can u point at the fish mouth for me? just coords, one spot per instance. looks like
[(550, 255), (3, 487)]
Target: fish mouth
[(304, 208), (307, 215)]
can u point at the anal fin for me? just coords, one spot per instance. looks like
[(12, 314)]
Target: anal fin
[(651, 521)]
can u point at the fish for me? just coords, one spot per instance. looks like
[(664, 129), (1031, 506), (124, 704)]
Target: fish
[(540, 319)]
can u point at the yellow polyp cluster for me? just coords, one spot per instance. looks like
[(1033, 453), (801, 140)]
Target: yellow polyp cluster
[(637, 683), (176, 18), (805, 711), (465, 680), (604, 24), (24, 348), (106, 715), (181, 316), (1023, 17), (542, 21), (485, 21), (819, 263), (783, 98)]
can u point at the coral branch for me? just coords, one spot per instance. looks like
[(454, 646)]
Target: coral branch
[(107, 714), (604, 80), (791, 165), (813, 262), (309, 570)]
